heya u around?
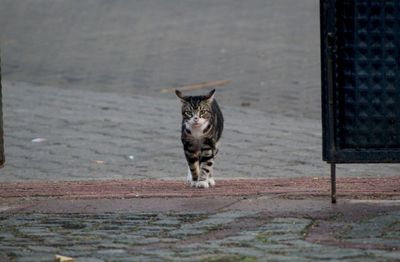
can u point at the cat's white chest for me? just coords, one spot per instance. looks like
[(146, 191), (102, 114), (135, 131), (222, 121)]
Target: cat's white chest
[(197, 133)]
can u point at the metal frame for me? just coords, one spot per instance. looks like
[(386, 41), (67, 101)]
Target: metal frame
[(328, 51), (333, 152)]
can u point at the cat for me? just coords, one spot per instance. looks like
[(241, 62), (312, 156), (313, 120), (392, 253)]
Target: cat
[(202, 126)]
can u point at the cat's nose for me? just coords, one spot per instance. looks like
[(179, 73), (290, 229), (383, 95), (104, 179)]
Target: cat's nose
[(196, 119)]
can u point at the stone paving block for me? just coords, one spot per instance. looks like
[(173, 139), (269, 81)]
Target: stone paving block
[(112, 253), (34, 231), (394, 243), (382, 255), (110, 245), (290, 220), (6, 235), (192, 253), (283, 242), (166, 222), (78, 131), (140, 258), (88, 259), (332, 253), (40, 257), (367, 259), (149, 240), (216, 220), (78, 250), (283, 228), (241, 239), (379, 231), (185, 232), (245, 252), (393, 232), (43, 249), (288, 258), (272, 248), (277, 238), (11, 248), (133, 239)]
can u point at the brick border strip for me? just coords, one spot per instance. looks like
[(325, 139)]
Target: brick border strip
[(297, 187)]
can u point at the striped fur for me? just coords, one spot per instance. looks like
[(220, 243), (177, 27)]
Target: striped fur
[(202, 126)]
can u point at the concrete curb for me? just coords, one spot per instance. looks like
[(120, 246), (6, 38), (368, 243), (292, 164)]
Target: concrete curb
[(296, 187)]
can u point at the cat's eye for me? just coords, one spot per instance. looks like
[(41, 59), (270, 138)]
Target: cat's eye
[(187, 114), (203, 112)]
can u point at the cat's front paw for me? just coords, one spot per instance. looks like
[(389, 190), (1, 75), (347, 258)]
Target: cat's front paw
[(211, 182), (202, 184)]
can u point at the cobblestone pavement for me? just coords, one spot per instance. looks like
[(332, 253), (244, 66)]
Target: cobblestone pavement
[(222, 236), (89, 135), (60, 132)]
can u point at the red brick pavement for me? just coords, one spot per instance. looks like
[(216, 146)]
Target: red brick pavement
[(382, 187)]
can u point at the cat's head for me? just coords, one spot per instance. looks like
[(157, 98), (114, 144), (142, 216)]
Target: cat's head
[(196, 110)]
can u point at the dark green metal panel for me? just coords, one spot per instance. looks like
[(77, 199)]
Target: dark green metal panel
[(360, 77)]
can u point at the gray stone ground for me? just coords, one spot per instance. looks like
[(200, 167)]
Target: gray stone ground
[(90, 135), (85, 76), (269, 49), (84, 128)]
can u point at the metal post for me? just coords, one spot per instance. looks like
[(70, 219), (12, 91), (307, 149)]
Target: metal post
[(333, 183), (2, 158), (331, 116)]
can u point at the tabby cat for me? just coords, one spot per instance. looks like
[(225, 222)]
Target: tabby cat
[(202, 125)]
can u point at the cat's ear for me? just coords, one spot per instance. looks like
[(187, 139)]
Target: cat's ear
[(180, 96), (210, 96)]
